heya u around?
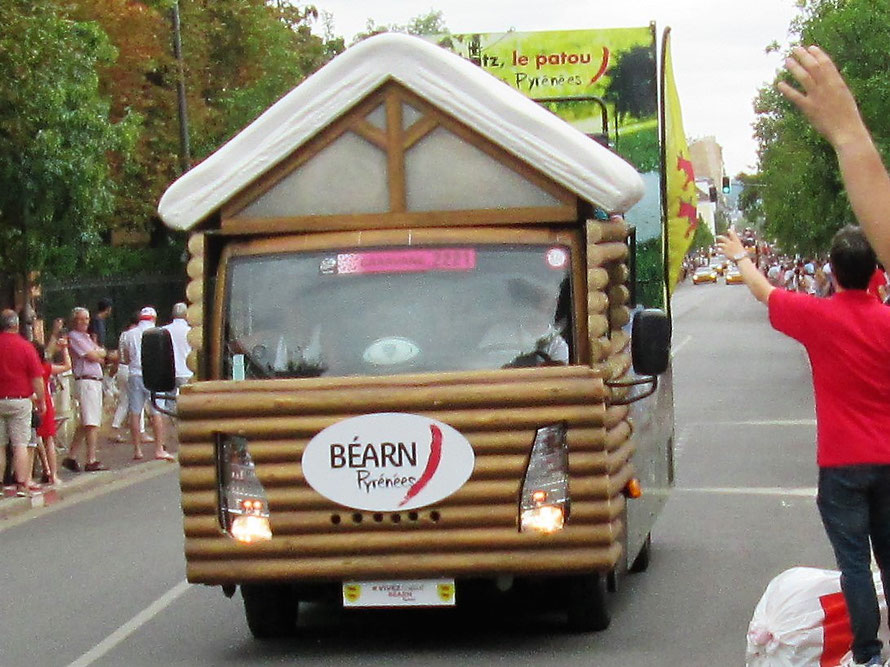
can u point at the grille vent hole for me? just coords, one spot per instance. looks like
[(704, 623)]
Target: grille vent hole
[(379, 517)]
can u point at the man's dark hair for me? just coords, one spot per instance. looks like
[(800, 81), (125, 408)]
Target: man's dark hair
[(104, 304), (853, 260)]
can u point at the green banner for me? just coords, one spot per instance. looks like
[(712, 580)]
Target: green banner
[(603, 83), (617, 66)]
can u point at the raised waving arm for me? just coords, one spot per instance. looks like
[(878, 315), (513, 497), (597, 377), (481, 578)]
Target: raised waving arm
[(829, 105)]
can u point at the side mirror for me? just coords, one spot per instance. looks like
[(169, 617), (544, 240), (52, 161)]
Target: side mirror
[(158, 366), (651, 341)]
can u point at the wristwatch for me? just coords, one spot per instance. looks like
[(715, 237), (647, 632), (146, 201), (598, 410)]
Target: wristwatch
[(739, 257)]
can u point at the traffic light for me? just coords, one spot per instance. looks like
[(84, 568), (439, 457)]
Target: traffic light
[(712, 194), (727, 188)]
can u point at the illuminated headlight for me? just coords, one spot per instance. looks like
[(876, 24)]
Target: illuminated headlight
[(543, 519), (249, 528), (243, 506), (544, 503)]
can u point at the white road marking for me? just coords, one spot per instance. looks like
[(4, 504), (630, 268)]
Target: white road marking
[(799, 492), (680, 442), (759, 422), (131, 626), (680, 345)]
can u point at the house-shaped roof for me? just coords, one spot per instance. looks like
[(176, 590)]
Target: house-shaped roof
[(457, 87)]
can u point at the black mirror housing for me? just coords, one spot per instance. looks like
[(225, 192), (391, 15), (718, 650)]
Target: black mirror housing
[(158, 366), (651, 341)]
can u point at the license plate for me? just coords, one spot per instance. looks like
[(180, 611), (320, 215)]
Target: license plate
[(413, 593)]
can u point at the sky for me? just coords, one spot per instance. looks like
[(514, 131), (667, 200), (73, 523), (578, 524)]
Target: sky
[(718, 46)]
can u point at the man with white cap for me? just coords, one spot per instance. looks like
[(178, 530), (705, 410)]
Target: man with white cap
[(138, 395)]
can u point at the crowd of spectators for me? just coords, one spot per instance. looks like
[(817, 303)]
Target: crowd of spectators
[(813, 276), (30, 376), (808, 275)]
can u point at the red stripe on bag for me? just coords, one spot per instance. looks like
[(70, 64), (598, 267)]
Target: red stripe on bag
[(837, 634)]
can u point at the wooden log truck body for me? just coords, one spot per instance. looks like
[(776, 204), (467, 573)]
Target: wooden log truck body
[(412, 335)]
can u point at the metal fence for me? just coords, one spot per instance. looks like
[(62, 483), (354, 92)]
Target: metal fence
[(128, 294)]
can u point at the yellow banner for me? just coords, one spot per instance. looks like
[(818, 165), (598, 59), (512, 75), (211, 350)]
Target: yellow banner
[(681, 198)]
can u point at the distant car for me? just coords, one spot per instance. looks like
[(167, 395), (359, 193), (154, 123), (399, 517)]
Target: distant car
[(704, 274), (734, 276)]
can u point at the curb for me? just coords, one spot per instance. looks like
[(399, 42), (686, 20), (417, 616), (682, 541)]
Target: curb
[(82, 484)]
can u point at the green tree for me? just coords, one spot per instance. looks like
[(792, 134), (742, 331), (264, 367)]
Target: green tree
[(750, 199), (431, 23), (721, 220), (703, 238), (803, 198), (57, 138), (240, 56), (632, 83)]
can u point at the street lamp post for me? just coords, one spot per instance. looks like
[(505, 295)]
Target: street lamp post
[(184, 151)]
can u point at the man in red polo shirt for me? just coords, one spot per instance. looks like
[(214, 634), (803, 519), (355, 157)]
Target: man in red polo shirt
[(825, 99), (20, 377), (845, 336)]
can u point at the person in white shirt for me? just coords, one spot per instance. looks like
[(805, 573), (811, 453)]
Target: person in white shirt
[(179, 330), (138, 395), (118, 390)]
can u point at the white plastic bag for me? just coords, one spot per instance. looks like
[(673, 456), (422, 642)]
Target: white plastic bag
[(801, 621)]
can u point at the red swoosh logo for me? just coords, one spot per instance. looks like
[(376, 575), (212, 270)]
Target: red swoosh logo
[(432, 464), (603, 66)]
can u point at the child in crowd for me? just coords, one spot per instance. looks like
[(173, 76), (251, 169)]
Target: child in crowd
[(46, 431)]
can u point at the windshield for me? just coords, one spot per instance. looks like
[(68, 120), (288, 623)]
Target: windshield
[(397, 310)]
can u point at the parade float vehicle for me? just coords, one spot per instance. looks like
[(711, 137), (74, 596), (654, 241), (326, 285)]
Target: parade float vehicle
[(419, 360)]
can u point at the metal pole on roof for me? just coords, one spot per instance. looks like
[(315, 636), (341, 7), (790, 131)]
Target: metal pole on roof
[(185, 159)]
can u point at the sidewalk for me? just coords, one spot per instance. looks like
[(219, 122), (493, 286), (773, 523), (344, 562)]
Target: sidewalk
[(116, 456)]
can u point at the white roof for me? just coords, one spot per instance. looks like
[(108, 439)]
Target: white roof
[(454, 85)]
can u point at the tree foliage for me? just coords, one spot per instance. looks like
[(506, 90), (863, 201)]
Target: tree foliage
[(632, 83), (750, 199), (703, 238), (241, 56), (803, 198), (56, 135), (89, 134), (431, 23)]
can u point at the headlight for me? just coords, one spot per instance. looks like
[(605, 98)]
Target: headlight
[(544, 502), (243, 506)]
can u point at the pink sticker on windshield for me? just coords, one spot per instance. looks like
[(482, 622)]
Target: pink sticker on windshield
[(407, 261)]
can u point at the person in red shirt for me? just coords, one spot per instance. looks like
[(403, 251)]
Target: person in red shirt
[(48, 428), (845, 337), (824, 98), (21, 377)]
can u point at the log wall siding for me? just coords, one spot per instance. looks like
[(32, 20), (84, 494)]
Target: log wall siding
[(194, 293), (473, 531)]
